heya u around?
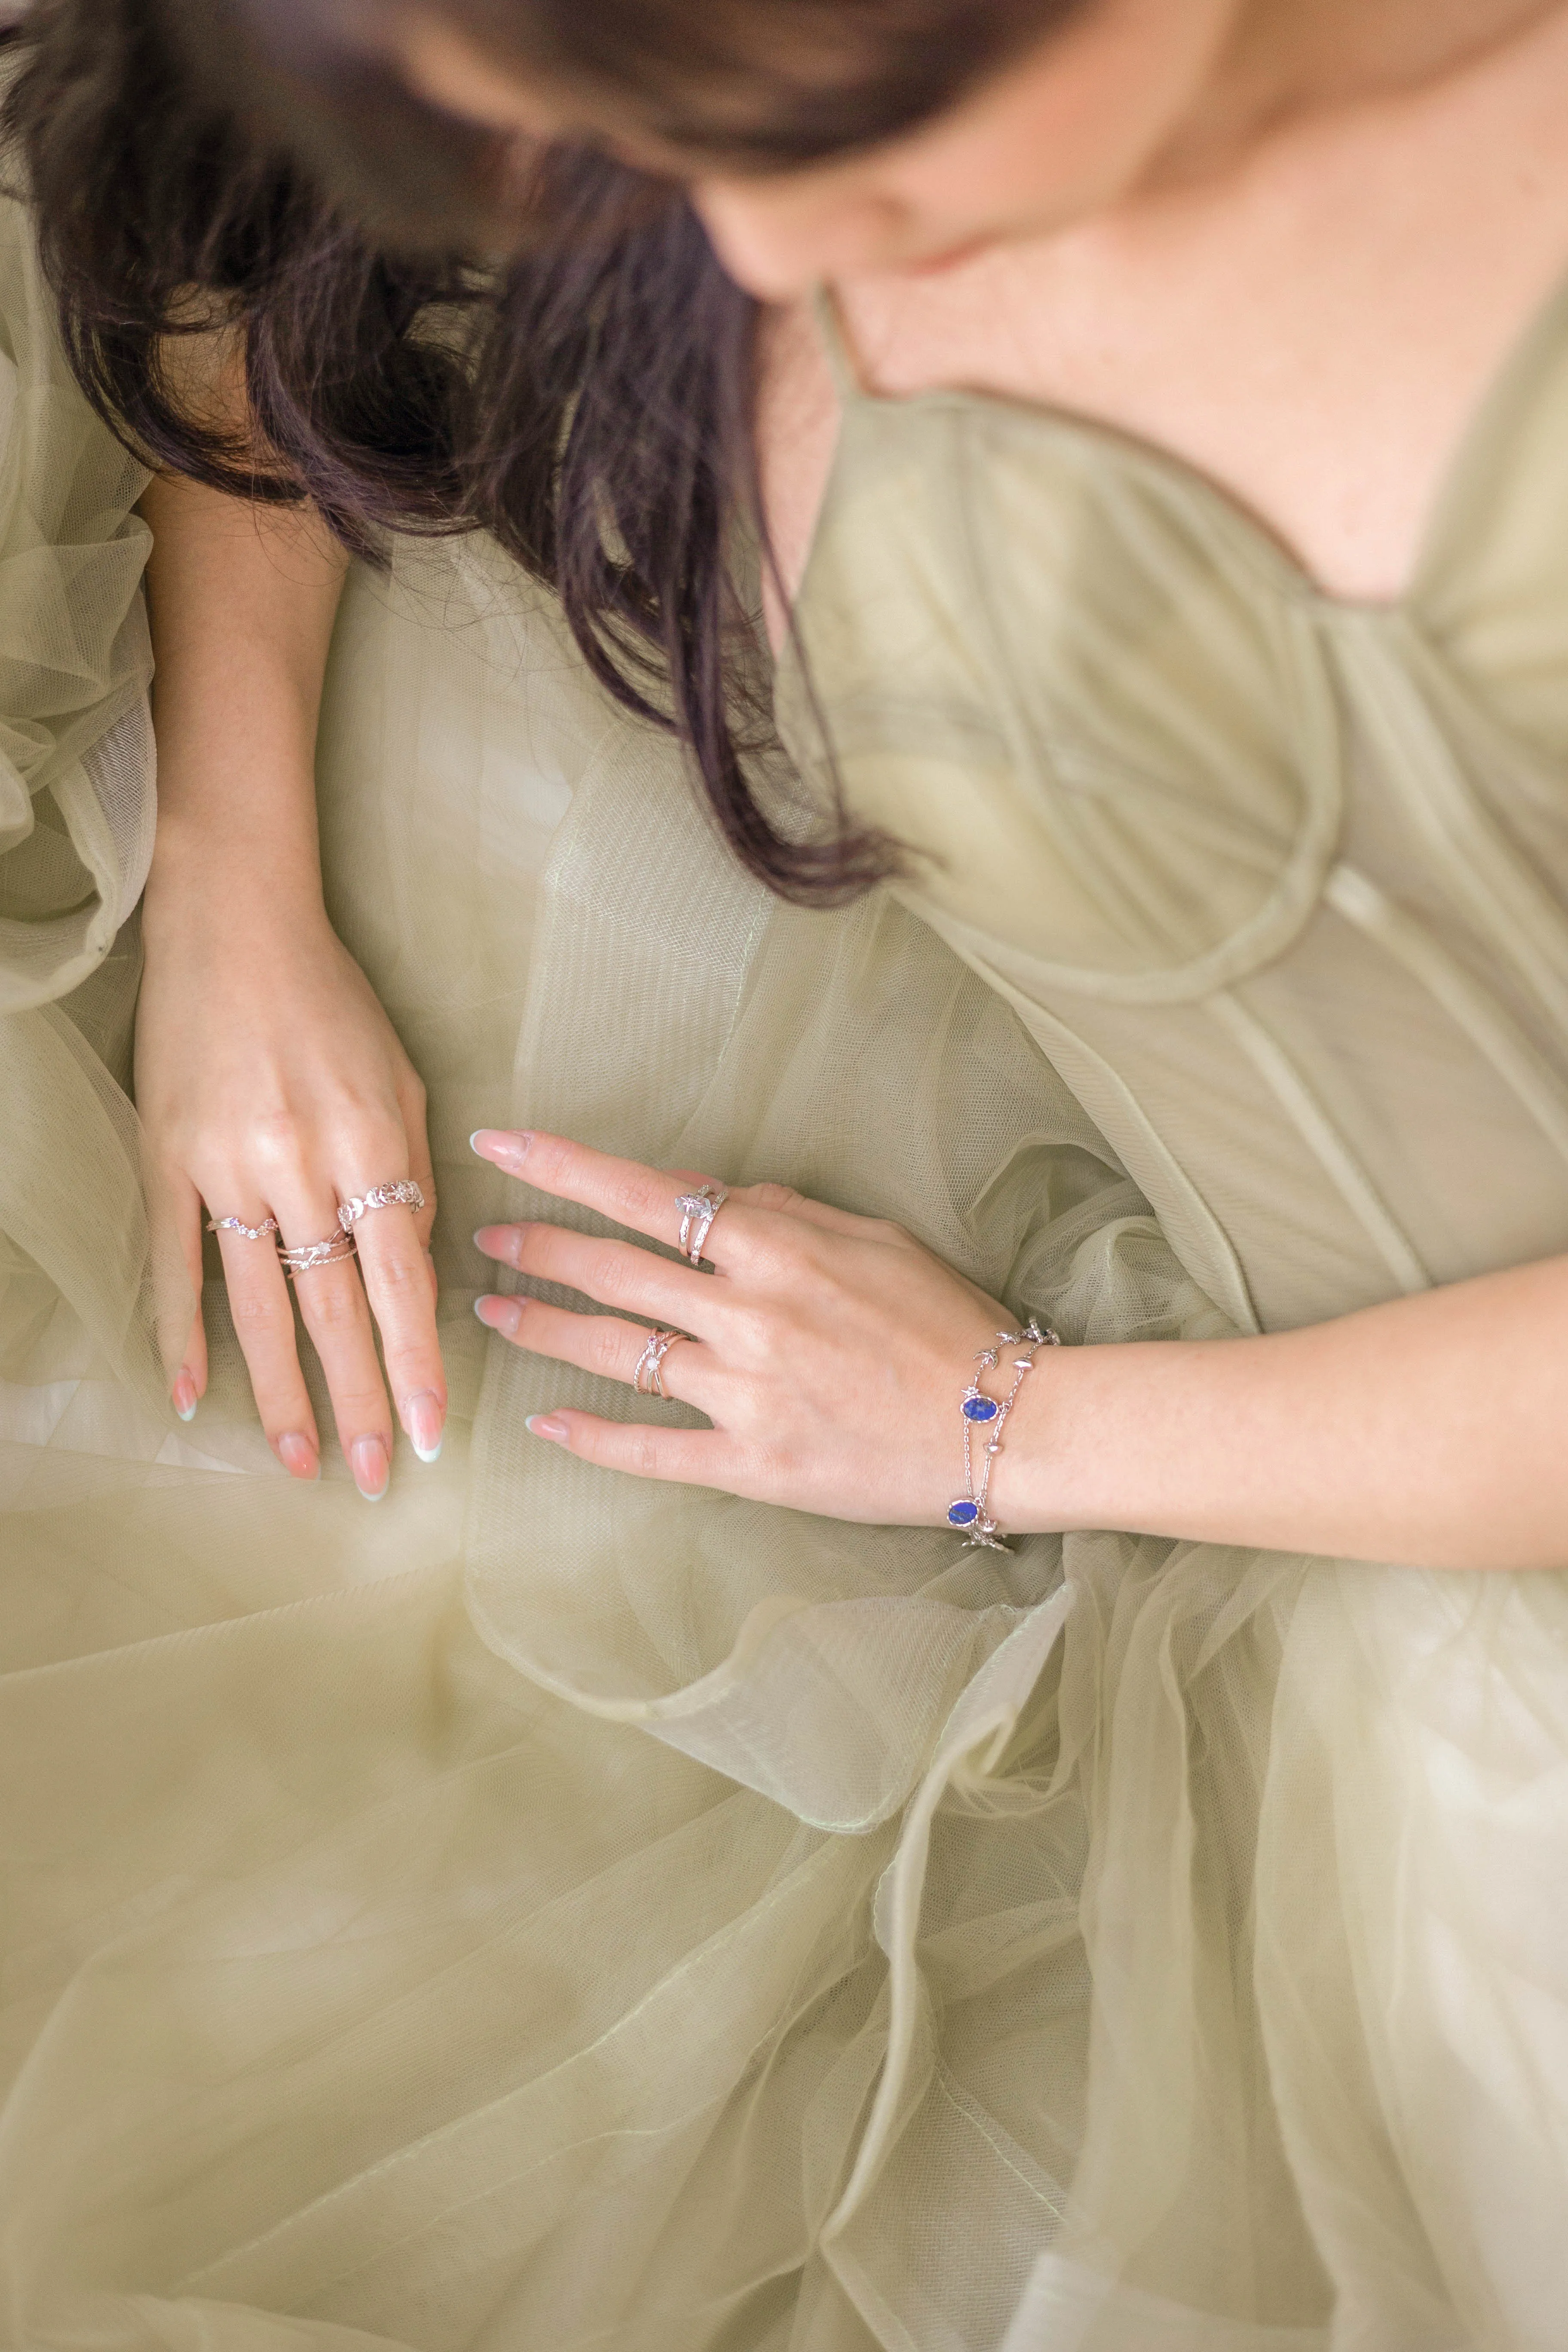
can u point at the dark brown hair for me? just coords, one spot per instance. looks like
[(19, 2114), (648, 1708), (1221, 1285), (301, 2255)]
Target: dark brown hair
[(437, 338)]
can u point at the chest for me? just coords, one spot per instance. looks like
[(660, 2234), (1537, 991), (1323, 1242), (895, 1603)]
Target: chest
[(1316, 335)]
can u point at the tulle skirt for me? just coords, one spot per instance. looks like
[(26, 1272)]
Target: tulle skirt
[(547, 1912)]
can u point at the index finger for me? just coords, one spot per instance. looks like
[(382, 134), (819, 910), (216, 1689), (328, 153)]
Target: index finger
[(649, 1199), (645, 1200)]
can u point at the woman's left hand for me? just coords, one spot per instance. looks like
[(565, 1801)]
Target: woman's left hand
[(829, 1351)]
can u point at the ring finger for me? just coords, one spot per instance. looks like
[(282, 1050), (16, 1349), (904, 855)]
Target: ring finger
[(336, 1314), (603, 1344)]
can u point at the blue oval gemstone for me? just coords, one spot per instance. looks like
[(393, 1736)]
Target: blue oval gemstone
[(981, 1408), (964, 1513)]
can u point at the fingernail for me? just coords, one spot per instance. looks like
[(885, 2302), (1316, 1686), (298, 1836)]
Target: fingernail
[(495, 1241), (184, 1396), (423, 1418), (545, 1424), (499, 1314), (371, 1468), (299, 1456), (500, 1144)]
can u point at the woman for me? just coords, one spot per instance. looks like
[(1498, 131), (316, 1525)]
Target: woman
[(1210, 707)]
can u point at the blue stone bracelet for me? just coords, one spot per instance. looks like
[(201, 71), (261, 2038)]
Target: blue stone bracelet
[(978, 1411)]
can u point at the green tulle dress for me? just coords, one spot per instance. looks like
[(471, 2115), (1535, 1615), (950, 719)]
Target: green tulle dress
[(553, 1913)]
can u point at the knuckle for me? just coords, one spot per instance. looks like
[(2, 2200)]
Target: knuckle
[(774, 1196), (775, 1256), (398, 1276), (611, 1275), (259, 1314), (769, 1472), (606, 1346), (273, 1136), (358, 1412), (335, 1307), (645, 1456), (750, 1335)]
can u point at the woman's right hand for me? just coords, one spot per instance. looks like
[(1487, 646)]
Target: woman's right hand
[(271, 1083)]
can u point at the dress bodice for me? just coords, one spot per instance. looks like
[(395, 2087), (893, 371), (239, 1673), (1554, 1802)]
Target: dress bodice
[(1280, 883)]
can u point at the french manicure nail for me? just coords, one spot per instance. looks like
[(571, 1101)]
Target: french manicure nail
[(544, 1424), (499, 1314), (507, 1149), (184, 1396), (423, 1418), (299, 1456), (371, 1468)]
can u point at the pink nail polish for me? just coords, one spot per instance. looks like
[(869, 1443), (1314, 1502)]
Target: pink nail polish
[(299, 1456), (184, 1396), (506, 1148), (501, 1315), (371, 1469), (423, 1418), (545, 1424)]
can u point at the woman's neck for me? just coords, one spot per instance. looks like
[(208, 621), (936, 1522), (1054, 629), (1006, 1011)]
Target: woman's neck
[(1286, 59)]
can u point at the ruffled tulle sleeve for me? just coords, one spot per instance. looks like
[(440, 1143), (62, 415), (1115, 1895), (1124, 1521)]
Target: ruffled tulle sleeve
[(76, 791)]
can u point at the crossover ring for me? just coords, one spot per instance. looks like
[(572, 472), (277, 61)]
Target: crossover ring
[(650, 1363), (335, 1250)]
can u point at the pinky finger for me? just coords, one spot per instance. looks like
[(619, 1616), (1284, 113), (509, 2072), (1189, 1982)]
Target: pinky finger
[(685, 1457), (181, 1207)]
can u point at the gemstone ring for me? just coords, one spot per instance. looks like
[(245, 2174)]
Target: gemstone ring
[(698, 1210)]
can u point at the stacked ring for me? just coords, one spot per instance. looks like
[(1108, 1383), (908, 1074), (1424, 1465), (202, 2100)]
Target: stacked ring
[(238, 1225), (698, 1210), (651, 1360), (333, 1251), (404, 1195)]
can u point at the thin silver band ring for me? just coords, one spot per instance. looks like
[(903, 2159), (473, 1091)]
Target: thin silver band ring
[(238, 1225)]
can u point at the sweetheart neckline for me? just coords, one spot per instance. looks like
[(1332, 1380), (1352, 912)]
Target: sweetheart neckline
[(1477, 449)]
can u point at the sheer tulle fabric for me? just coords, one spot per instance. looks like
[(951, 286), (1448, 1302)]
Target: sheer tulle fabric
[(552, 1911)]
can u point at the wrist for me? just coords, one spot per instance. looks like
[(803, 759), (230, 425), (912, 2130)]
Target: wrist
[(204, 874), (1077, 1454)]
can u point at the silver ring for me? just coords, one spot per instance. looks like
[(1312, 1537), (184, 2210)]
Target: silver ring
[(650, 1363), (334, 1251), (238, 1225), (698, 1210), (404, 1195)]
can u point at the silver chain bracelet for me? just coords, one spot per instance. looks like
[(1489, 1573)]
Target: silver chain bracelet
[(968, 1510)]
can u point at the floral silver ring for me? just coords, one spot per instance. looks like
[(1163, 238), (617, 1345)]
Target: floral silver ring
[(404, 1195)]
